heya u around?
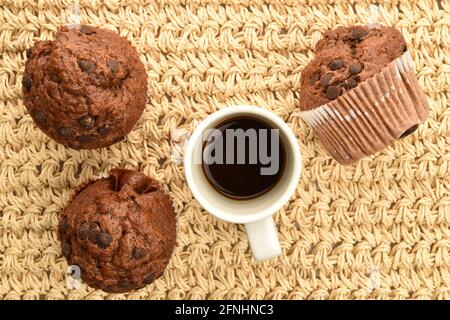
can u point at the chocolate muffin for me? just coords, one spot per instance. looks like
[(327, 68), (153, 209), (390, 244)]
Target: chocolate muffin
[(360, 92), (85, 89), (120, 231), (345, 57)]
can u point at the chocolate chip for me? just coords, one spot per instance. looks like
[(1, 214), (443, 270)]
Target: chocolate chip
[(109, 288), (26, 82), (55, 78), (86, 138), (86, 29), (64, 131), (149, 278), (66, 249), (87, 122), (83, 231), (115, 180), (94, 233), (86, 66), (119, 139), (409, 131), (358, 33), (113, 65), (333, 92), (125, 283), (39, 117), (104, 240), (29, 52), (336, 64), (314, 77), (325, 79), (104, 130), (64, 224), (139, 253), (74, 146), (350, 83), (94, 225), (93, 236), (355, 68)]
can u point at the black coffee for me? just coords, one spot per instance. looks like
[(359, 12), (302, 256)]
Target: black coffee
[(244, 158)]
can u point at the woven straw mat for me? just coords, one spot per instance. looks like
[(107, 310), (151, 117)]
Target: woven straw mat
[(376, 230)]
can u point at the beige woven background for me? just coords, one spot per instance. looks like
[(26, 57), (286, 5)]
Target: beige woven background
[(379, 229)]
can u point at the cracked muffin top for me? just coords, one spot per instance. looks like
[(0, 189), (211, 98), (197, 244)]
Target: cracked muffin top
[(85, 89), (345, 57), (120, 231)]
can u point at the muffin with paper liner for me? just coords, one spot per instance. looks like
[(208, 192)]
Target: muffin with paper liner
[(360, 92)]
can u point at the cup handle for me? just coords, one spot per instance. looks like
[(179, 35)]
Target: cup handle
[(263, 239)]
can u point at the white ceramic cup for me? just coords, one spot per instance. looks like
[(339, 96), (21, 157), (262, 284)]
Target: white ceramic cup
[(256, 213)]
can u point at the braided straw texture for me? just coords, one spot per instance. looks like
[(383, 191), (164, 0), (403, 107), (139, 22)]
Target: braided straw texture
[(379, 229)]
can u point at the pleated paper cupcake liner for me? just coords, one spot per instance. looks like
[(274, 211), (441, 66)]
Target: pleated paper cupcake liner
[(370, 117)]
